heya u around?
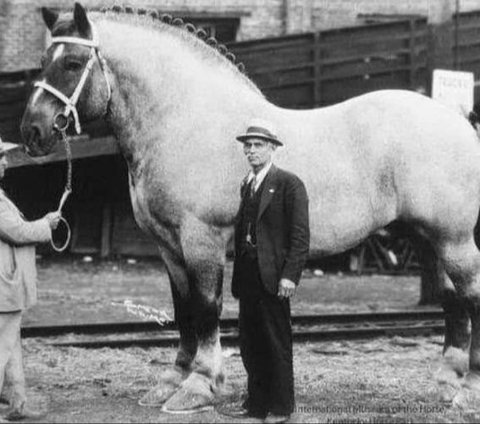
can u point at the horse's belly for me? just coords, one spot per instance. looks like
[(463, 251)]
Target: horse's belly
[(342, 230), (348, 207)]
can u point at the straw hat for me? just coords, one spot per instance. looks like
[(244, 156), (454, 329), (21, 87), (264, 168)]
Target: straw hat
[(260, 129)]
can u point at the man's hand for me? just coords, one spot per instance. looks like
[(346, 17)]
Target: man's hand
[(286, 288), (53, 219)]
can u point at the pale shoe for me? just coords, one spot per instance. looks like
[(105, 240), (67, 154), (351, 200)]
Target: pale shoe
[(274, 419)]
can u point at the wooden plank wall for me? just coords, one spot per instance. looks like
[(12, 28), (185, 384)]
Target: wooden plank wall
[(318, 69), (14, 91), (466, 48)]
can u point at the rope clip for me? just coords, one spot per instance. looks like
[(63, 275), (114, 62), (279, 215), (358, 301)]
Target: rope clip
[(61, 122)]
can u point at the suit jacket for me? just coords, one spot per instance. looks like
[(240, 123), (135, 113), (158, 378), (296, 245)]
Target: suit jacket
[(18, 273), (282, 230)]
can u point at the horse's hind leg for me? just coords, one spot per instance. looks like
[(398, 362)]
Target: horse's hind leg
[(457, 320), (454, 363), (462, 263), (169, 381)]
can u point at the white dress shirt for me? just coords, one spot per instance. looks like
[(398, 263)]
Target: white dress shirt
[(260, 176)]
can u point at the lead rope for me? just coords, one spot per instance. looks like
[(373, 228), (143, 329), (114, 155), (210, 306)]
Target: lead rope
[(62, 128)]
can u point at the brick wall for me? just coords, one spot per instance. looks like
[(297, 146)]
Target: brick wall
[(22, 33), (337, 13)]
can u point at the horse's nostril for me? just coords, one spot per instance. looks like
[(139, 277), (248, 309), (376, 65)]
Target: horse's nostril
[(34, 135)]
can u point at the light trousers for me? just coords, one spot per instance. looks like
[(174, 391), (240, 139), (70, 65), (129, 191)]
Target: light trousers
[(12, 377)]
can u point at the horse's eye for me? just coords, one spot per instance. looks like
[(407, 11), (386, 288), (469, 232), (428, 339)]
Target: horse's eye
[(72, 64)]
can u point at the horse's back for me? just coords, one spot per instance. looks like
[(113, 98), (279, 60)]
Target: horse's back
[(435, 155), (385, 155)]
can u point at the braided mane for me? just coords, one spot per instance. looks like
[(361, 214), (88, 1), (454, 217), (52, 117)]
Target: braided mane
[(179, 23)]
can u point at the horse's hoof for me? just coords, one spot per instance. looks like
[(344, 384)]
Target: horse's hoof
[(24, 414), (449, 383), (468, 398), (451, 367), (449, 374), (168, 382), (472, 382), (194, 395), (446, 393), (465, 400), (457, 359)]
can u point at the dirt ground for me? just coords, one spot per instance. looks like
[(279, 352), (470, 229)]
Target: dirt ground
[(383, 380), (73, 291)]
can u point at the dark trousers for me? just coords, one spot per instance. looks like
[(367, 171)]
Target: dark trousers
[(265, 344)]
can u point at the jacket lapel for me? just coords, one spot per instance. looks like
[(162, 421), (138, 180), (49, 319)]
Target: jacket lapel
[(243, 191), (269, 187)]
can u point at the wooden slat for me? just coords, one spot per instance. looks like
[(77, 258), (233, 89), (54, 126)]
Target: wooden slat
[(106, 232), (337, 77), (412, 55), (10, 111), (127, 238), (376, 55), (337, 91), (317, 70), (292, 95), (380, 55), (267, 43), (82, 147), (466, 50), (13, 94), (372, 40)]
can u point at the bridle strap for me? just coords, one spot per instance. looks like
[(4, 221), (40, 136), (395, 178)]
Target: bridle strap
[(53, 90), (71, 102), (75, 40)]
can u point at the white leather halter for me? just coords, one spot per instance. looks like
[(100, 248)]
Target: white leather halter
[(71, 102)]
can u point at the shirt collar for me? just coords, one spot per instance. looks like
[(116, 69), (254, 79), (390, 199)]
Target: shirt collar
[(260, 176)]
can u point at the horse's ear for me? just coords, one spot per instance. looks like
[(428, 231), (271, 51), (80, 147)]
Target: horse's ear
[(81, 20), (49, 17)]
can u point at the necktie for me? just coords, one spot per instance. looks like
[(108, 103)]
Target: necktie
[(253, 183)]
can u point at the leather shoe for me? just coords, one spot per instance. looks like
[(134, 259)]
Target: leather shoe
[(243, 413), (274, 419)]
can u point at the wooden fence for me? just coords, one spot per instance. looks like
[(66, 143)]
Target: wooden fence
[(14, 91), (466, 45), (322, 68)]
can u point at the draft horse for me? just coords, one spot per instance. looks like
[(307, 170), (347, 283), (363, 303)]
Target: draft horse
[(176, 103)]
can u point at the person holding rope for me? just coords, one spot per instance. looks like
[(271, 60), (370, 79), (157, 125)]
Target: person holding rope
[(271, 247), (17, 290)]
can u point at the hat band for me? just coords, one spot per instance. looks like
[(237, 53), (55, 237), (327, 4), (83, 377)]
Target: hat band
[(260, 130)]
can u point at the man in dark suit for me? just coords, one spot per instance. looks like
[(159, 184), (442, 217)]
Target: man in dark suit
[(271, 247)]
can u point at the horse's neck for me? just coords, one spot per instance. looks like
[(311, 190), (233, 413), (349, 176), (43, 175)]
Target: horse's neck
[(164, 91)]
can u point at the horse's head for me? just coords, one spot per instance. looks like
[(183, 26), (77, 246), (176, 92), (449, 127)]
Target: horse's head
[(73, 85)]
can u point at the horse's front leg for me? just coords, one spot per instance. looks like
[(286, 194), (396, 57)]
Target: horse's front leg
[(169, 381), (204, 255)]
